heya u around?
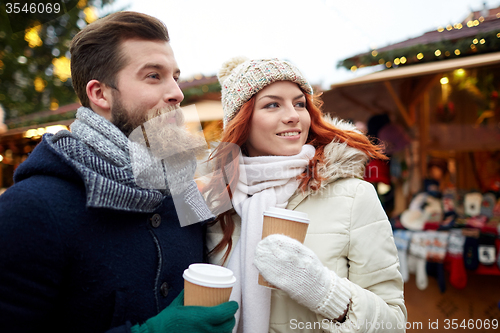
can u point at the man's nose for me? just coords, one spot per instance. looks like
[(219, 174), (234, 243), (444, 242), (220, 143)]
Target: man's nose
[(173, 93)]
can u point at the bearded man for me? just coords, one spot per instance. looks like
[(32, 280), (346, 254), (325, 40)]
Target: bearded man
[(90, 238)]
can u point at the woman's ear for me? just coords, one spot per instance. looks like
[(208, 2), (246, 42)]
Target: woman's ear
[(100, 98)]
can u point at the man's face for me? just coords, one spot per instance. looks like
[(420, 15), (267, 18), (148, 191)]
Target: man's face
[(147, 83)]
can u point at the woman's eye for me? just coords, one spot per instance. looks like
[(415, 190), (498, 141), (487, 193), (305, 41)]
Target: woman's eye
[(301, 104), (271, 105)]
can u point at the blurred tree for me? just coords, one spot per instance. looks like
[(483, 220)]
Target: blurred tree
[(34, 52)]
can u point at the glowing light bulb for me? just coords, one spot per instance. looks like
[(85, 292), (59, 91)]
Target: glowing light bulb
[(437, 53), (32, 36), (457, 52), (420, 56), (444, 80), (54, 104), (39, 84)]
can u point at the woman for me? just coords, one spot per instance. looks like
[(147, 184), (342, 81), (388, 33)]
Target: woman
[(345, 277)]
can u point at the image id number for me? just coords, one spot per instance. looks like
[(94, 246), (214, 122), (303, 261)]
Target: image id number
[(33, 8), (470, 324)]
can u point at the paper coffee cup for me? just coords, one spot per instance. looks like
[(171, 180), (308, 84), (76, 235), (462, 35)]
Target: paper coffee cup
[(207, 285), (286, 222)]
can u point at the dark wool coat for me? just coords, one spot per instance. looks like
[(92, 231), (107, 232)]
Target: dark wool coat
[(68, 268)]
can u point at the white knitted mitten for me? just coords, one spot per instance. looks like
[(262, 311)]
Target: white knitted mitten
[(295, 269)]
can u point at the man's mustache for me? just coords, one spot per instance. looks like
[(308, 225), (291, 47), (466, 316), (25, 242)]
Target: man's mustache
[(166, 114), (164, 134)]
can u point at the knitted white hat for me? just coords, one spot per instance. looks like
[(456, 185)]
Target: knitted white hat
[(241, 78)]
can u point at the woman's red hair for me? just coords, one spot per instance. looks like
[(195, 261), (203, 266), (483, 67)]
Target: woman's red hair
[(321, 133)]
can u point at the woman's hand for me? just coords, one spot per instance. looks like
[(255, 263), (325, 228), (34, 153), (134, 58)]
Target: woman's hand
[(297, 270)]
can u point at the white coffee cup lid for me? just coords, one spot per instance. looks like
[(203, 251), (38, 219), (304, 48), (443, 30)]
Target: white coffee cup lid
[(208, 275), (287, 214)]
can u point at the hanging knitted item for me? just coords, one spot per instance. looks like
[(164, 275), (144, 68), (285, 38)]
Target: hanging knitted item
[(402, 240), (437, 242), (486, 249), (471, 254), (458, 274), (418, 248), (488, 204), (472, 203)]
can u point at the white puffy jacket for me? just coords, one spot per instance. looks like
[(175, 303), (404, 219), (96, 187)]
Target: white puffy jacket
[(350, 233)]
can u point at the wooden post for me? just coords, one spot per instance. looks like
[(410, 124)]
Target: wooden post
[(399, 104), (423, 131)]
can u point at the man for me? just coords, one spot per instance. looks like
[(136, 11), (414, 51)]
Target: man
[(83, 247)]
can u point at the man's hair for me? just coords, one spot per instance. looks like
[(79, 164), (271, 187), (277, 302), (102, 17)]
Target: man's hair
[(96, 49)]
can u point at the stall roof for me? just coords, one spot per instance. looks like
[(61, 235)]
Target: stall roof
[(423, 69)]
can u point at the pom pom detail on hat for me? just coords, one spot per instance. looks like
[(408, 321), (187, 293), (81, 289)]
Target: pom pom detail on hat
[(240, 79), (228, 67)]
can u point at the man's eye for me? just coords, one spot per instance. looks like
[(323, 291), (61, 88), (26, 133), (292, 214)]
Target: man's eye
[(154, 76)]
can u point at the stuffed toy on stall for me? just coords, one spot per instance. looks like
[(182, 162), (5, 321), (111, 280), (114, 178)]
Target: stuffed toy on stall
[(424, 208)]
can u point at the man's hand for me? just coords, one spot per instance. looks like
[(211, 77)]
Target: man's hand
[(177, 318)]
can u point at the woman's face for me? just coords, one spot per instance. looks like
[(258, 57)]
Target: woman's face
[(280, 121)]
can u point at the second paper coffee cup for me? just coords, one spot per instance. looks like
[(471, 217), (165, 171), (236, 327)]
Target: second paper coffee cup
[(286, 222), (207, 285)]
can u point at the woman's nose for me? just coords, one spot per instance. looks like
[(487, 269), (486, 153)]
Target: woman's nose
[(291, 115)]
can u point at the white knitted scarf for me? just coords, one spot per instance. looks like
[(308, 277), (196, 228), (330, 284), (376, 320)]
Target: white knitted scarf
[(264, 181)]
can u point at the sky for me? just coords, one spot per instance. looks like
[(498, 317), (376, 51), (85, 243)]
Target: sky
[(312, 34)]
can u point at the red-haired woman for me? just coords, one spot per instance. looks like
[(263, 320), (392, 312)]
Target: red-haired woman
[(345, 276)]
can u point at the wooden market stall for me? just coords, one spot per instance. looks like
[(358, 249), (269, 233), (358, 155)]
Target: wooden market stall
[(449, 108), (440, 104)]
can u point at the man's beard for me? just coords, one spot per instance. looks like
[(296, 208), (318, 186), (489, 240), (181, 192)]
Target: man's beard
[(164, 136)]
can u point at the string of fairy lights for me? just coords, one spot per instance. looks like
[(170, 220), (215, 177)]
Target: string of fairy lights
[(481, 43)]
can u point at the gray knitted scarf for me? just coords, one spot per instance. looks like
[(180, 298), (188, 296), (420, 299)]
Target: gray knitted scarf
[(100, 153)]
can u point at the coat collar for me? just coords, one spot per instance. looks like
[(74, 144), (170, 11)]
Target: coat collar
[(341, 160)]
